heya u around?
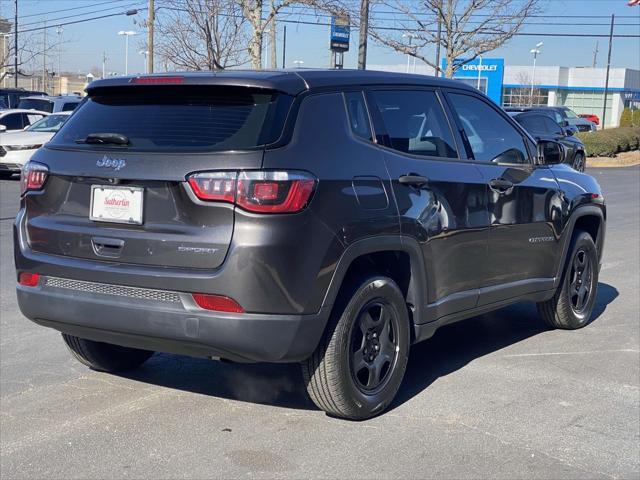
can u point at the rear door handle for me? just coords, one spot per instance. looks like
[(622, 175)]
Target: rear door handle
[(500, 185), (413, 180)]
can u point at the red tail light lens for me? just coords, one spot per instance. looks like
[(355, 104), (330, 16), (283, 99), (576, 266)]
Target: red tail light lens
[(27, 279), (164, 80), (256, 191), (34, 175), (214, 186), (218, 303)]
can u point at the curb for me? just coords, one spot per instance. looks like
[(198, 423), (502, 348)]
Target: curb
[(614, 162)]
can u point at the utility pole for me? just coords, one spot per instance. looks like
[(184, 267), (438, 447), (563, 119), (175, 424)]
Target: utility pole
[(364, 34), (15, 47), (595, 55), (44, 58), (151, 21), (284, 48), (606, 82), (59, 32), (104, 64)]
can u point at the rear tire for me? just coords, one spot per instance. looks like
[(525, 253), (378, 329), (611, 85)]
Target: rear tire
[(572, 305), (104, 356), (361, 359)]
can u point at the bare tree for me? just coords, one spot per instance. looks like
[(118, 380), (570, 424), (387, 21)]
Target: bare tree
[(469, 28), (261, 16), (201, 34)]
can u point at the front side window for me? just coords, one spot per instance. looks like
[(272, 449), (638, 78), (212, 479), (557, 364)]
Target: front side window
[(415, 123), (491, 137), (358, 115), (12, 121)]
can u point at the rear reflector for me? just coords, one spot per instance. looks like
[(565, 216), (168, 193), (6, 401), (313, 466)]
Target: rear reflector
[(256, 191), (218, 303), (33, 177), (157, 80), (27, 279)]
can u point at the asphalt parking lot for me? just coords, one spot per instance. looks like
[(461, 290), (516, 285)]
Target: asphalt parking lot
[(497, 396)]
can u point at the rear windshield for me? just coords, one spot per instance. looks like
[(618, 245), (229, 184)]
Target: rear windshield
[(36, 104), (193, 118)]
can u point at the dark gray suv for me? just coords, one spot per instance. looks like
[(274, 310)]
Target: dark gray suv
[(331, 218)]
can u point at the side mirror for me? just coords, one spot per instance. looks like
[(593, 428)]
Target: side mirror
[(3, 128), (550, 152), (564, 123), (568, 132)]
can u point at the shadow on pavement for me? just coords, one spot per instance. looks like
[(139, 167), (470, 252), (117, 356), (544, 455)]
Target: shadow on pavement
[(451, 348)]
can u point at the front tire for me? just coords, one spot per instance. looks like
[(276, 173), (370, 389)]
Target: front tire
[(579, 162), (104, 356), (572, 305), (359, 364)]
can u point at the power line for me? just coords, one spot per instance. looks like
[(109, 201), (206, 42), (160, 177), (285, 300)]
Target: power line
[(130, 5), (68, 9), (128, 13)]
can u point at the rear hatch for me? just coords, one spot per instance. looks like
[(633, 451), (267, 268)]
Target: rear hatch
[(111, 201)]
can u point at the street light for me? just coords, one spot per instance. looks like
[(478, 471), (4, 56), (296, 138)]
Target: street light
[(298, 63), (535, 51), (126, 34), (145, 53), (410, 36)]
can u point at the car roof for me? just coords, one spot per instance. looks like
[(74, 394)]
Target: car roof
[(52, 98), (292, 82), (21, 110)]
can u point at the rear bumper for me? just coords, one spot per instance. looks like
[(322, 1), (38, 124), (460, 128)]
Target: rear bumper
[(174, 326)]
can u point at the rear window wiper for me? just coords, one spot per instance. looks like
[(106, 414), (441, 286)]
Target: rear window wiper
[(104, 138)]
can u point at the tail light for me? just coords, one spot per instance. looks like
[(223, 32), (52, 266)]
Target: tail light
[(219, 303), (28, 279), (34, 175), (256, 191)]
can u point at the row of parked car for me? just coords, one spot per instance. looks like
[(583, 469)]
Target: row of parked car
[(28, 119), (38, 116)]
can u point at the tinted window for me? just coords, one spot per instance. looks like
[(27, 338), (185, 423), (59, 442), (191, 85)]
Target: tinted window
[(68, 107), (415, 123), (532, 123), (491, 137), (12, 121), (552, 126), (358, 115), (185, 119), (43, 105)]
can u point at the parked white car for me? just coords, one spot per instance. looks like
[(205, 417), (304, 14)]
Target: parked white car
[(17, 119), (16, 148)]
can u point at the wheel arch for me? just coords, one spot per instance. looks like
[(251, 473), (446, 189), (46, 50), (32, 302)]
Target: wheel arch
[(395, 256), (589, 218)]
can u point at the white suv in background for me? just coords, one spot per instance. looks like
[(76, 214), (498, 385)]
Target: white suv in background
[(51, 104), (16, 148)]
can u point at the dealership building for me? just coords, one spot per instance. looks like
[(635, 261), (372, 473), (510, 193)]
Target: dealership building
[(579, 88)]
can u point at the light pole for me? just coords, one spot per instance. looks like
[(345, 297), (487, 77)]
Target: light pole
[(126, 34), (145, 53), (535, 51), (298, 63), (59, 32), (410, 37), (479, 72)]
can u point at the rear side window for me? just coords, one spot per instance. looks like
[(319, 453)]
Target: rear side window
[(532, 123), (68, 107), (358, 115), (415, 122), (490, 136), (193, 118)]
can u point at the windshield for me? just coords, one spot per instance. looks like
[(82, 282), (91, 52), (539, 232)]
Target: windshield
[(52, 123), (197, 118), (43, 104), (570, 113)]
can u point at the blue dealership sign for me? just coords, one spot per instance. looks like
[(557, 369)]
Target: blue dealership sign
[(340, 34), (485, 74)]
